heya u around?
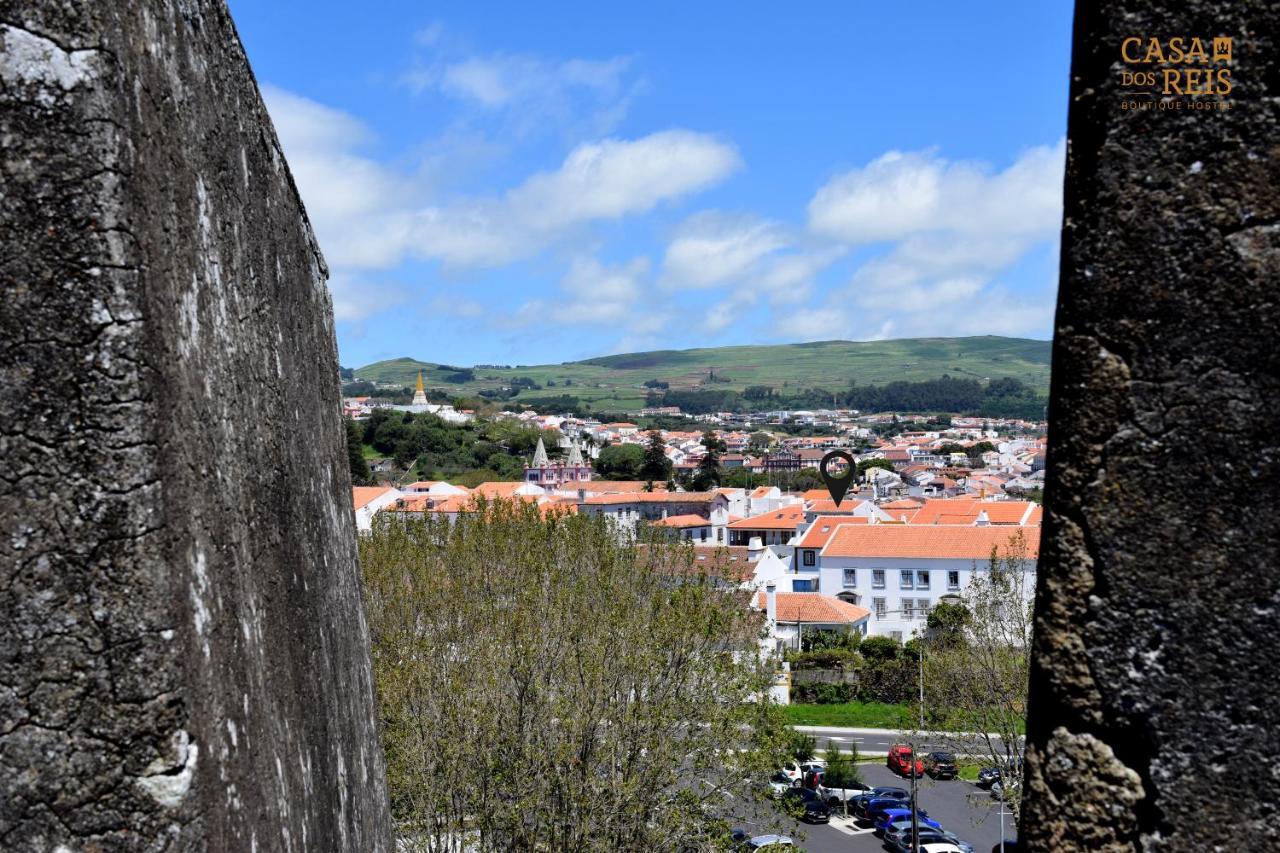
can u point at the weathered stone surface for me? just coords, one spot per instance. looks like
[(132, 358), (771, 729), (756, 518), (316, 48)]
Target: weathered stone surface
[(183, 655), (1159, 602)]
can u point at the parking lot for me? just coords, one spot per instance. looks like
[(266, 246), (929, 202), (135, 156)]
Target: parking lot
[(959, 806)]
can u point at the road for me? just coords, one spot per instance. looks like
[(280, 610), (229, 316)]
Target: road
[(959, 806), (873, 741)]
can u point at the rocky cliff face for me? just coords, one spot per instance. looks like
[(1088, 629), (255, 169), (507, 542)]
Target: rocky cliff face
[(1154, 719), (184, 662)]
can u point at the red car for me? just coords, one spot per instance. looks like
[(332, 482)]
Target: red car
[(900, 760)]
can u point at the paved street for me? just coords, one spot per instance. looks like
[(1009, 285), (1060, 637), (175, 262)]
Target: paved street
[(872, 741), (959, 806)]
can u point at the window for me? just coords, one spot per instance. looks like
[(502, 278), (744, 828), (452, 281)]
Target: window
[(908, 608), (922, 579), (704, 534), (906, 579), (810, 557), (877, 578), (802, 585), (878, 605), (922, 608), (897, 635), (850, 578), (953, 580)]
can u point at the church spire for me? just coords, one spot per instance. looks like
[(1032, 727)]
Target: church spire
[(575, 455), (420, 393), (539, 455)]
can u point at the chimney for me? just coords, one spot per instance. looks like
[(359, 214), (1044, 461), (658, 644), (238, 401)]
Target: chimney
[(754, 548), (983, 520), (771, 604)]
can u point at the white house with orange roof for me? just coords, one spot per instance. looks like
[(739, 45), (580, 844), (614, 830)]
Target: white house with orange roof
[(790, 615), (776, 527), (899, 571), (367, 500), (434, 488), (627, 510)]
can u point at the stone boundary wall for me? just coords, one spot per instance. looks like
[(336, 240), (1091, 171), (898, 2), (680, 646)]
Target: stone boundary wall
[(184, 661)]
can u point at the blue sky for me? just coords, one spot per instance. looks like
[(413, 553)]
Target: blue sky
[(528, 183)]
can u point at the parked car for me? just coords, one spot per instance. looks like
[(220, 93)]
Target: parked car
[(901, 843), (779, 783), (939, 847), (860, 804), (837, 797), (807, 805), (749, 844), (940, 765), (890, 816), (1001, 789), (988, 776), (902, 761), (876, 808), (797, 770), (1009, 845)]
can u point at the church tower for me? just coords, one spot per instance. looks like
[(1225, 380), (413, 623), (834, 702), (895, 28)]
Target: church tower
[(420, 394)]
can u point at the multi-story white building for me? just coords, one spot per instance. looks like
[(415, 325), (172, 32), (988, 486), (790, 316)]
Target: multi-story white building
[(899, 572)]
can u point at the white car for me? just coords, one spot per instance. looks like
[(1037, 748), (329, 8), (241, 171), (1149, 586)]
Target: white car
[(798, 770), (940, 847), (835, 797), (779, 783)]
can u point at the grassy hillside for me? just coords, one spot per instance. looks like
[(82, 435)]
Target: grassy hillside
[(617, 381)]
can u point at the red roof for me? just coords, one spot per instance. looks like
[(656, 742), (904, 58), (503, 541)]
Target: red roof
[(363, 495), (930, 542), (967, 510), (683, 521), (814, 608), (650, 498), (824, 526), (786, 518)]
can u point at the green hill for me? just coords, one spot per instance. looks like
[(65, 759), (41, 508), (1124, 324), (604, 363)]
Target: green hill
[(616, 382)]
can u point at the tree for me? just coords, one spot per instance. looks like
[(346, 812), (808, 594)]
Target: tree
[(865, 464), (976, 671), (360, 474), (543, 687), (620, 462), (759, 442), (655, 467), (708, 475)]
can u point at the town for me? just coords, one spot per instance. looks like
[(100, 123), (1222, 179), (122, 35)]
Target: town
[(931, 504)]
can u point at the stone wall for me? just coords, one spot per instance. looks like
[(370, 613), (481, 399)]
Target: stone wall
[(184, 661), (1154, 719)]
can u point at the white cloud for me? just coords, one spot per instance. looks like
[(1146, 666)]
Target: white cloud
[(355, 299), (714, 248), (956, 229), (591, 294), (614, 177), (902, 194)]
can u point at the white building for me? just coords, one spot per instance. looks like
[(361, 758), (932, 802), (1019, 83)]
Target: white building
[(367, 500), (900, 571)]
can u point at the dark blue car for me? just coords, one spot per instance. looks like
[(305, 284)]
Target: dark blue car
[(877, 807), (888, 816)]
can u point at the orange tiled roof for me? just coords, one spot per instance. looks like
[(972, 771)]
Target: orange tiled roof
[(649, 498), (827, 505), (683, 521), (903, 503), (966, 511), (498, 490), (928, 542), (783, 519), (363, 495), (608, 487), (815, 494), (824, 526), (814, 608)]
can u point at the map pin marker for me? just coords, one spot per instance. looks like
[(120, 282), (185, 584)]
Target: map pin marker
[(837, 483)]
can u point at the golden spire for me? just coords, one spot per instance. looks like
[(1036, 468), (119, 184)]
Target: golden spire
[(420, 389)]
